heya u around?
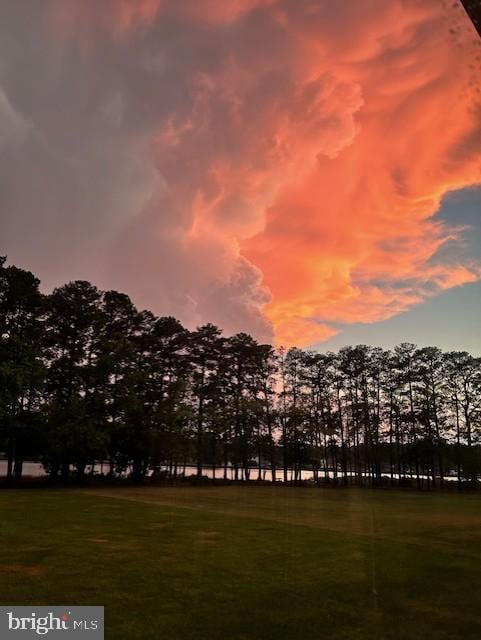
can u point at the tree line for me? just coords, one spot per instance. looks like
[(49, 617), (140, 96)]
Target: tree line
[(86, 378)]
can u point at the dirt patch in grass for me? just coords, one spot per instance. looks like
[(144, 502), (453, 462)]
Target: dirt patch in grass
[(208, 537), (21, 569), (112, 546), (100, 540)]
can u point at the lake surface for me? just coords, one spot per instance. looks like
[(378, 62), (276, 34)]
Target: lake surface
[(36, 470)]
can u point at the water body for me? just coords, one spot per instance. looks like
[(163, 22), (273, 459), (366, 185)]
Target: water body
[(36, 470)]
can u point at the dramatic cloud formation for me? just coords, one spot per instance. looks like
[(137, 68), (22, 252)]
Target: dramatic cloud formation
[(273, 166)]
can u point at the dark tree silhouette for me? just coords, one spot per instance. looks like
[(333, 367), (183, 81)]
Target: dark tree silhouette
[(89, 383), (22, 370)]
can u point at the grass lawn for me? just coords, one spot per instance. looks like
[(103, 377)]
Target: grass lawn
[(249, 563)]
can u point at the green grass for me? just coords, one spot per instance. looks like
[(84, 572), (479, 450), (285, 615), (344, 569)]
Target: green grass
[(249, 562)]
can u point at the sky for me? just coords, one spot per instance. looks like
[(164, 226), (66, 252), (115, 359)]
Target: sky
[(308, 172)]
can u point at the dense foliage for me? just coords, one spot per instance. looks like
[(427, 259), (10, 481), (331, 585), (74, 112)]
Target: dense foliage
[(85, 377)]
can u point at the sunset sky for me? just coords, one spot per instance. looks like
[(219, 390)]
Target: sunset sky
[(308, 171)]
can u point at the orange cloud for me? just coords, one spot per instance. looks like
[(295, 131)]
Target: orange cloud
[(302, 149), (299, 331), (356, 241)]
